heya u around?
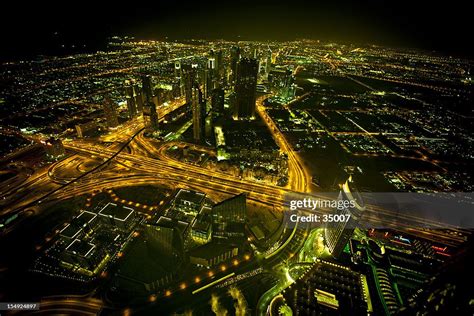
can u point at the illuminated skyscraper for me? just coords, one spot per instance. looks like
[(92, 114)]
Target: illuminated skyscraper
[(153, 117), (198, 119), (110, 113), (338, 233), (131, 106), (177, 69), (282, 82), (138, 97), (217, 101), (211, 75), (234, 61), (246, 88), (147, 88), (211, 63), (268, 64), (150, 115), (188, 79), (150, 107), (219, 65)]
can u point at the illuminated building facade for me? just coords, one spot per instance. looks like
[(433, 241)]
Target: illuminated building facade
[(246, 88), (198, 119), (110, 113), (150, 113), (337, 234), (130, 98), (217, 101)]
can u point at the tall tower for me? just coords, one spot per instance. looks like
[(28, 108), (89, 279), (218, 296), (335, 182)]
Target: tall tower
[(268, 64), (197, 114), (150, 115), (138, 97), (153, 116), (150, 109), (234, 60), (217, 101), (211, 75), (246, 88), (177, 69), (110, 112), (337, 234), (131, 106), (188, 79), (147, 88), (219, 65)]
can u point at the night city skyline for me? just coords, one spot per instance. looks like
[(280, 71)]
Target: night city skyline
[(267, 158), (45, 27)]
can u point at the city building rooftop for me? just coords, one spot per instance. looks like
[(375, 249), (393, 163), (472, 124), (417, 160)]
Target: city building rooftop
[(70, 231), (193, 197), (118, 212), (80, 248)]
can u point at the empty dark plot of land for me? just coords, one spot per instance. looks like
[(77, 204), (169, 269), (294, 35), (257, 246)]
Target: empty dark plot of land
[(336, 84), (402, 102), (9, 143), (325, 164), (390, 86), (279, 114), (384, 163), (144, 194), (328, 100), (457, 100), (385, 123)]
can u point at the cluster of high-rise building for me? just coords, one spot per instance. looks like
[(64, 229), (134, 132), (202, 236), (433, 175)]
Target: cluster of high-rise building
[(223, 81), (210, 234)]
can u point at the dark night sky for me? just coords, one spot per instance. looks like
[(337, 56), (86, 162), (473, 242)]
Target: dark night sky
[(28, 29)]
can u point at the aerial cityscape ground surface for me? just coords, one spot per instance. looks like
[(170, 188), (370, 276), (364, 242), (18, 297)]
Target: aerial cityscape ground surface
[(156, 178)]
